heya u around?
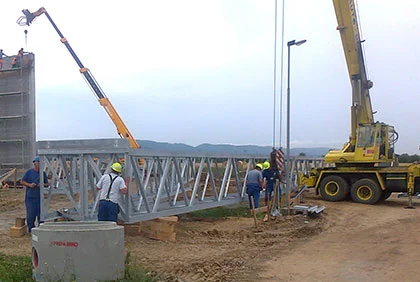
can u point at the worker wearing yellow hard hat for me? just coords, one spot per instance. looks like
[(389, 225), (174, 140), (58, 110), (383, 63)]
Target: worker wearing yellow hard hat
[(254, 185), (116, 167), (111, 186), (268, 179)]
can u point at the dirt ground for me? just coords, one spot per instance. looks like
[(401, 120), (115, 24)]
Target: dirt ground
[(347, 242)]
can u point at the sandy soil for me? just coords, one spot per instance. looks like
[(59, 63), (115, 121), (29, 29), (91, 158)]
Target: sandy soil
[(348, 242)]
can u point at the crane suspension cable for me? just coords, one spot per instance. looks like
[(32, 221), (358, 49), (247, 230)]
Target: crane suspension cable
[(281, 73), (275, 73)]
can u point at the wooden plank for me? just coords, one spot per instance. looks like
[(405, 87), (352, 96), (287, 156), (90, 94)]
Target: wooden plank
[(168, 219), (261, 209), (159, 226)]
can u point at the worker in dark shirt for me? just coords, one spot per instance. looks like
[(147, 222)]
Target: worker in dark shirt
[(31, 181), (268, 179)]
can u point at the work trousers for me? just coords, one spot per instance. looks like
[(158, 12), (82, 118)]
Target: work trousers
[(254, 191), (108, 211), (33, 211), (269, 192)]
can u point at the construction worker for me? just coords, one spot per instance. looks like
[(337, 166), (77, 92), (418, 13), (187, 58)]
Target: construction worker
[(254, 185), (112, 185), (17, 60), (31, 180), (268, 179), (1, 58)]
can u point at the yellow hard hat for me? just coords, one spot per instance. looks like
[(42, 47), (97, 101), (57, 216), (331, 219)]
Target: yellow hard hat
[(259, 166), (266, 165), (116, 167)]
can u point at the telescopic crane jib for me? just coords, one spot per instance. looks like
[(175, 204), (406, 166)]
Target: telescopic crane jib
[(370, 142), (122, 129)]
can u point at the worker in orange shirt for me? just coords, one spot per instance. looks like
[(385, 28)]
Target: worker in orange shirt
[(17, 60)]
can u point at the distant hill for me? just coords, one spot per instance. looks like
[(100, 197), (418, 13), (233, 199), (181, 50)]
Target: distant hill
[(226, 148)]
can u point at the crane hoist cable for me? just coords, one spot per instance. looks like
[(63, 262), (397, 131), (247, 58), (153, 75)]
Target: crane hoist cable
[(275, 73), (275, 77), (281, 74)]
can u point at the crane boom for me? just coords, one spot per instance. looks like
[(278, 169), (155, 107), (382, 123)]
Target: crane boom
[(122, 129), (348, 26), (370, 142)]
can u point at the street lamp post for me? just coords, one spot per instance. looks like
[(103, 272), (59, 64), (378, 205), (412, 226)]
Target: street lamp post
[(288, 164)]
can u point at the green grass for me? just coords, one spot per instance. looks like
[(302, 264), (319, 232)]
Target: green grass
[(15, 268), (18, 268), (135, 272)]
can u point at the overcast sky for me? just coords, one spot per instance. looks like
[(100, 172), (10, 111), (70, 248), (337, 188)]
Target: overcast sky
[(201, 71)]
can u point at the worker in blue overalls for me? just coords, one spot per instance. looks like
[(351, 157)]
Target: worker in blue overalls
[(31, 181)]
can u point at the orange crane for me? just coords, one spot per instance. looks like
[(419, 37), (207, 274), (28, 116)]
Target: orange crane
[(122, 129)]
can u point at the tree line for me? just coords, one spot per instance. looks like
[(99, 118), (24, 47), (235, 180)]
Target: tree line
[(406, 158)]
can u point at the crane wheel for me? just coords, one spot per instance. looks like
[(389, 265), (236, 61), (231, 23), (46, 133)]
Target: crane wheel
[(365, 191), (334, 188)]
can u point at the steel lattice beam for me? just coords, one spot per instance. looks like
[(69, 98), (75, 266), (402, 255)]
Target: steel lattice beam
[(166, 184)]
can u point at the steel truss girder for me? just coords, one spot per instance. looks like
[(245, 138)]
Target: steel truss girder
[(165, 184)]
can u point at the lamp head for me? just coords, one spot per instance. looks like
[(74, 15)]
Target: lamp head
[(297, 43), (300, 42)]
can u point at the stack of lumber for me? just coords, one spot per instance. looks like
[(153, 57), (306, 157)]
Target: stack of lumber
[(162, 228)]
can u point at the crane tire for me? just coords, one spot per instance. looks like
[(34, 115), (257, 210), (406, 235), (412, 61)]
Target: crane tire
[(365, 191), (334, 188)]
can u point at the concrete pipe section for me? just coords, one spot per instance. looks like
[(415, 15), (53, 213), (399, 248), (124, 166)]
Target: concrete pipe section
[(78, 251)]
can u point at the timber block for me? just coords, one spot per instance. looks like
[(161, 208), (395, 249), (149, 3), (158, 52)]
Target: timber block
[(20, 221), (168, 219), (18, 231), (162, 228), (170, 237)]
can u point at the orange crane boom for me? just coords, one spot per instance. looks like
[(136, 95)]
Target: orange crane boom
[(122, 129)]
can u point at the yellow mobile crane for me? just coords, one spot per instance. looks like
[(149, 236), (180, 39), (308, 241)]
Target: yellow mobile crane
[(100, 95), (365, 168)]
